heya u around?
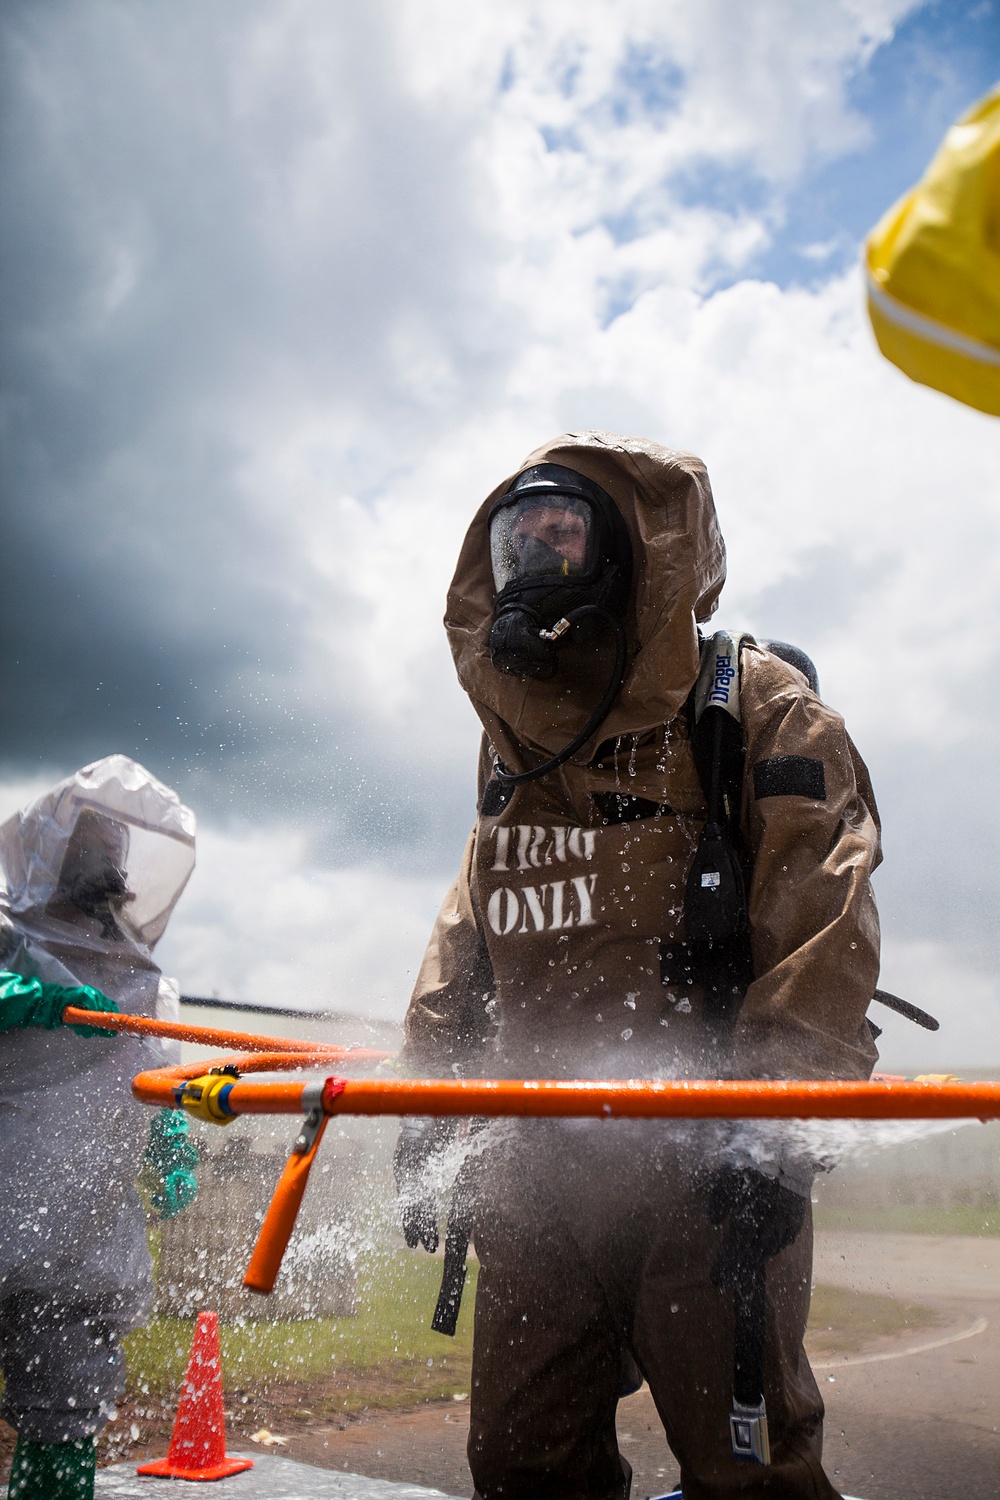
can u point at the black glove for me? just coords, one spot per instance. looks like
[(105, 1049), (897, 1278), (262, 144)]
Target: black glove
[(420, 1140), (761, 1217)]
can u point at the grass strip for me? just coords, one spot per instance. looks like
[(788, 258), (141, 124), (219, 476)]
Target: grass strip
[(387, 1356), (842, 1321), (910, 1218)]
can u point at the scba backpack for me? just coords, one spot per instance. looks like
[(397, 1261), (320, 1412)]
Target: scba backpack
[(716, 953)]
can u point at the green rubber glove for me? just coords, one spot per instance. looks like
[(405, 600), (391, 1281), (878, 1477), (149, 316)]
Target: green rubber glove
[(171, 1155), (29, 1002), (179, 1189)]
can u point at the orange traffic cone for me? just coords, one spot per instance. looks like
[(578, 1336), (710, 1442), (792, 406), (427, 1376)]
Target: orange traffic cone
[(198, 1441)]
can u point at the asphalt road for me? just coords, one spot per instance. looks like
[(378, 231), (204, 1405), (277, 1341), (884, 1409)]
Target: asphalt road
[(910, 1418), (925, 1426)]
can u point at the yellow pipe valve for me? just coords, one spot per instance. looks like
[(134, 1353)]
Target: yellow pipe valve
[(207, 1097)]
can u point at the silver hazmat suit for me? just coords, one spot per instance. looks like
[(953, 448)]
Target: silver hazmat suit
[(75, 1271)]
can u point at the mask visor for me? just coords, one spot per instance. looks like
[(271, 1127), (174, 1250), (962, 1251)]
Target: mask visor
[(542, 536)]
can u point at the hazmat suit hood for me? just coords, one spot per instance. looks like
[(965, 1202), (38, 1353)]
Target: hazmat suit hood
[(117, 799), (679, 566)]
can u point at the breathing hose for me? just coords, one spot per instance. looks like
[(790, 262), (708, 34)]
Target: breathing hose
[(597, 718)]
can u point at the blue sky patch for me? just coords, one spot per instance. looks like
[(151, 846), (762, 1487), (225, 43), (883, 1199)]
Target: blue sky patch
[(941, 60), (649, 84)]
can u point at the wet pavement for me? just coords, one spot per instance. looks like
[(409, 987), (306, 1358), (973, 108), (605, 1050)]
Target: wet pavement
[(921, 1420), (269, 1479), (912, 1416)]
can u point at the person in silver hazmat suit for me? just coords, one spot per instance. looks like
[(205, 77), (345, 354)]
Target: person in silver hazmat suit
[(89, 875)]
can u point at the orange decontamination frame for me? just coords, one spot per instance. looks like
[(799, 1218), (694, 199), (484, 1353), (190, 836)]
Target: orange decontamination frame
[(219, 1091)]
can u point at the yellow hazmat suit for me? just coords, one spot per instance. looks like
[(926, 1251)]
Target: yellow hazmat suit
[(933, 264)]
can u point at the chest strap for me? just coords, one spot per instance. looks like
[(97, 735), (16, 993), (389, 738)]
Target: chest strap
[(715, 904)]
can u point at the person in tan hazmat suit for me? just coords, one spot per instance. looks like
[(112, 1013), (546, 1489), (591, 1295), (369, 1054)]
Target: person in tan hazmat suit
[(562, 951)]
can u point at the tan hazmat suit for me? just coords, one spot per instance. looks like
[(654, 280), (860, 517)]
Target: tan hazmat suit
[(545, 961)]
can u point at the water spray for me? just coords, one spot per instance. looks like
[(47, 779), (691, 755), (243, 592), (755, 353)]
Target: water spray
[(221, 1091)]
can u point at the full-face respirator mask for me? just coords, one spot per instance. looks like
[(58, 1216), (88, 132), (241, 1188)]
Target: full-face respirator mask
[(562, 566)]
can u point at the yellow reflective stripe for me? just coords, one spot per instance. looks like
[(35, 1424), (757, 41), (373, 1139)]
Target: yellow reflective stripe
[(928, 328)]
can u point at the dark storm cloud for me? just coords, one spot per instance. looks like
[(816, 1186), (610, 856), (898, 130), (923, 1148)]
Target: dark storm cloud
[(201, 208)]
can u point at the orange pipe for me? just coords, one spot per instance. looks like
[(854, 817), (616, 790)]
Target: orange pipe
[(164, 1086), (674, 1098), (880, 1098), (885, 1099), (279, 1221), (205, 1036)]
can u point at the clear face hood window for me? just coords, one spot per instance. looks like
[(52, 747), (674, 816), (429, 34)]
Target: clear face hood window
[(542, 536), (121, 872)]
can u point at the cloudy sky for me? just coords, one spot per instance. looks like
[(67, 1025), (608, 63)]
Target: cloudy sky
[(291, 284)]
